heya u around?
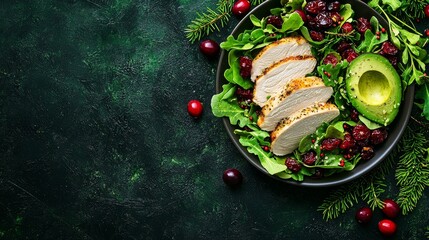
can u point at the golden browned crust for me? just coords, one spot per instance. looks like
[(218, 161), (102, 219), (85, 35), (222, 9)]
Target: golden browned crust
[(299, 115)]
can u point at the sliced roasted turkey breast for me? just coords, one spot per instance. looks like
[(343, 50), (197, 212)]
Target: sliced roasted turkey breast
[(277, 51), (297, 94), (289, 132), (279, 74)]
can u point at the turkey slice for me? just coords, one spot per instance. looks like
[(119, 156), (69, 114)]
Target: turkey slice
[(289, 132), (277, 51), (297, 94), (279, 74)]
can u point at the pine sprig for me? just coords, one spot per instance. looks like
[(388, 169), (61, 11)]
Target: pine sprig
[(212, 20), (208, 22), (412, 173)]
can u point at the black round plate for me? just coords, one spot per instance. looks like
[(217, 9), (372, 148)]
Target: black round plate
[(395, 129)]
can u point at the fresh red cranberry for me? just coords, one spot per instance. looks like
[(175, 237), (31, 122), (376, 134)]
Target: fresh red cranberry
[(330, 144), (378, 136), (387, 227), (292, 164), (301, 14), (276, 21), (245, 66), (347, 27), (315, 7), (309, 158), (195, 108), (364, 215), (330, 59), (317, 36), (334, 6), (241, 8), (426, 10), (426, 32), (361, 132), (354, 115), (362, 24), (209, 48), (391, 209), (348, 142), (343, 46), (324, 20), (389, 49), (232, 177), (367, 153)]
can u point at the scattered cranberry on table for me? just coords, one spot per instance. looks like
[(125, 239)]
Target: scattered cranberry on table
[(391, 209), (387, 227), (426, 10), (209, 47), (241, 8), (195, 108), (232, 177), (364, 215)]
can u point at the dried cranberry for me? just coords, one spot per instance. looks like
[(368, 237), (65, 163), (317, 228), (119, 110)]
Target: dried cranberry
[(317, 36), (292, 164), (336, 17), (334, 6), (330, 144), (347, 27), (330, 59), (362, 24), (367, 153), (393, 60), (361, 132), (312, 24), (301, 14), (354, 115), (324, 20), (347, 128), (389, 49), (315, 7), (245, 66), (309, 158), (348, 142), (349, 54), (276, 21), (378, 136), (244, 94), (343, 46)]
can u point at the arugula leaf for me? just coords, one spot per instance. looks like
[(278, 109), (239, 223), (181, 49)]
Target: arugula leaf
[(370, 39), (266, 158), (423, 94), (368, 123), (256, 133), (291, 23), (228, 107)]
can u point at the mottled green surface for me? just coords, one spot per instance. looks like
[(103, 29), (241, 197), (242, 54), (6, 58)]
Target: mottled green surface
[(96, 142)]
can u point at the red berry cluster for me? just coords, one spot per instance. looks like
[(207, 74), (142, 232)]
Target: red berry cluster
[(320, 15), (386, 226), (245, 66)]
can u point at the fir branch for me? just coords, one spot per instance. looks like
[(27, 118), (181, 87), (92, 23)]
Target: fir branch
[(212, 20), (427, 232), (412, 173), (208, 22), (340, 200)]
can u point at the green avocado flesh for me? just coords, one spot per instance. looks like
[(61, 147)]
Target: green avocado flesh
[(374, 88)]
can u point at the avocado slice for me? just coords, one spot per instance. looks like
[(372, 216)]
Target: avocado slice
[(374, 88)]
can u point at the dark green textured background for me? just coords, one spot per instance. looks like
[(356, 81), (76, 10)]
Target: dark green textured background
[(96, 142)]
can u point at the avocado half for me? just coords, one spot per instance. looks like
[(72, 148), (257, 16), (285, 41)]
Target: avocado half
[(374, 88)]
